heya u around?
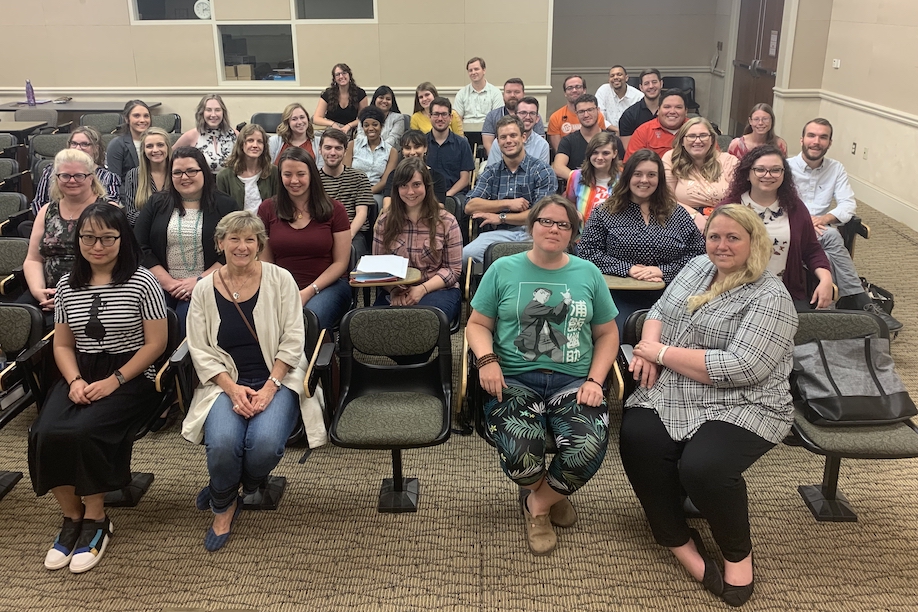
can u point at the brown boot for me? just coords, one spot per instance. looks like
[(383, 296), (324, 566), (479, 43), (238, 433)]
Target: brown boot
[(563, 514), (539, 533)]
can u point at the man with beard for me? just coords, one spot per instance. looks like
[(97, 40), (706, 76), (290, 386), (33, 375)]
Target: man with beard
[(657, 134), (564, 120), (504, 192), (535, 145), (822, 182), (572, 149), (514, 92)]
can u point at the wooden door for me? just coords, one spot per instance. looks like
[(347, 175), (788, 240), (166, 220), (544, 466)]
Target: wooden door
[(756, 63)]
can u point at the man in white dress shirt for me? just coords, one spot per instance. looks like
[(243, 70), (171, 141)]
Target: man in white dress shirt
[(616, 96), (822, 184)]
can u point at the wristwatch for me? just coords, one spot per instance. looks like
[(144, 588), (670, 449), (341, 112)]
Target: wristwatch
[(276, 382), (503, 217), (119, 377)]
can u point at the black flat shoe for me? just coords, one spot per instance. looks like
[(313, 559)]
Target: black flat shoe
[(737, 595), (713, 580)]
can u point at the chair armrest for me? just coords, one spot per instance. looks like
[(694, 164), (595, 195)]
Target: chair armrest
[(312, 376), (10, 377), (14, 178), (180, 361), (38, 367), (616, 382), (10, 227), (10, 284)]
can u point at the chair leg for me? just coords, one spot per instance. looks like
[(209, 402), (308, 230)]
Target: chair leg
[(268, 497), (398, 494), (8, 480), (825, 501), (129, 496)]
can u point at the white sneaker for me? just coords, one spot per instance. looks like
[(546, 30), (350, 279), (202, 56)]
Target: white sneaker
[(91, 545), (61, 551)]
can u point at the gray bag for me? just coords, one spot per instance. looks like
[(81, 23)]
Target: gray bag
[(849, 382)]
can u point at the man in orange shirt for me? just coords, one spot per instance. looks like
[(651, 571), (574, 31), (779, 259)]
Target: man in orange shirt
[(564, 120), (658, 133)]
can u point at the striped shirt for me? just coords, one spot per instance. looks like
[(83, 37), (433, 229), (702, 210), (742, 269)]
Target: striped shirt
[(747, 334), (129, 194), (351, 188), (109, 318), (110, 181), (414, 243)]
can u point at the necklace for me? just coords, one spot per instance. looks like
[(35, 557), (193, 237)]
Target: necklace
[(299, 214), (197, 232), (238, 290), (191, 199)]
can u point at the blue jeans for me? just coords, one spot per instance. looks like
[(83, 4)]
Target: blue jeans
[(241, 450), (476, 248), (331, 304)]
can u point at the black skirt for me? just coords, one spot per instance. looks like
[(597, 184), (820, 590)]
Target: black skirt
[(89, 446)]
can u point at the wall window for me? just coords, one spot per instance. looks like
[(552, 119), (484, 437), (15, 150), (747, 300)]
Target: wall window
[(334, 9), (257, 52), (167, 10)]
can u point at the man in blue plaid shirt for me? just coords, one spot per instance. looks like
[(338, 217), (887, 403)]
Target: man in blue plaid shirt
[(504, 192)]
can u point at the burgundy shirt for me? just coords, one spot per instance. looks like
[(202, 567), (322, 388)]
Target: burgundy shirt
[(306, 253)]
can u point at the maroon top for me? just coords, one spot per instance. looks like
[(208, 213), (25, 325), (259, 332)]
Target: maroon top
[(306, 253)]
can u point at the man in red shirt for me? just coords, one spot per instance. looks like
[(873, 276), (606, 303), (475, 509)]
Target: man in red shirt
[(657, 134)]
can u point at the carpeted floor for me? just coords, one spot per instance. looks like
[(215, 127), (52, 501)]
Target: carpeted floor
[(326, 547)]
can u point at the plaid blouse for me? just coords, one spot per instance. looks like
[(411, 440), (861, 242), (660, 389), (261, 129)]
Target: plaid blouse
[(414, 243), (748, 335)]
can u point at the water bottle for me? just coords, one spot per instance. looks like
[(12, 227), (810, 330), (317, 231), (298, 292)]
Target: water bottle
[(29, 93)]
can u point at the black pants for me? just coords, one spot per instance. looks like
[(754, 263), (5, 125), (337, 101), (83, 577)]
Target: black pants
[(708, 467)]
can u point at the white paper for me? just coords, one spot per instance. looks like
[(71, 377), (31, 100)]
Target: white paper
[(389, 264)]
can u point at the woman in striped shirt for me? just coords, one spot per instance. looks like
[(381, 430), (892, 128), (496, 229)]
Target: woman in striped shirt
[(110, 327)]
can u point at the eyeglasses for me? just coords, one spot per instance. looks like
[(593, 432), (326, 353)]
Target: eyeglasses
[(80, 145), (699, 137), (337, 74), (573, 88), (79, 177), (520, 113), (763, 172), (760, 120), (190, 173), (562, 225), (90, 240), (587, 111), (439, 115)]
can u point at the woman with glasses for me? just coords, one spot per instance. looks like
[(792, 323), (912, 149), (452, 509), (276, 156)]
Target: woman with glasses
[(393, 125), (543, 333), (640, 233), (696, 172), (213, 133), (590, 185), (151, 176), (341, 101), (295, 130), (51, 254), (760, 131), (176, 229), (87, 140), (420, 120), (124, 151), (249, 177), (763, 182), (110, 327)]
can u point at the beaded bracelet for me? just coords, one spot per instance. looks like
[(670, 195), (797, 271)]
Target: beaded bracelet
[(601, 386), (486, 359)]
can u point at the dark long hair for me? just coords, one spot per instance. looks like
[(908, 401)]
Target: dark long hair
[(126, 113), (208, 202), (662, 204), (740, 183), (108, 216), (397, 213), (383, 90), (353, 91), (318, 203)]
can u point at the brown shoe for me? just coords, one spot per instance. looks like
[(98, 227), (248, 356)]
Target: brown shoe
[(563, 514), (539, 532)]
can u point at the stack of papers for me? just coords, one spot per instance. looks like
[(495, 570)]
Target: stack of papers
[(380, 269)]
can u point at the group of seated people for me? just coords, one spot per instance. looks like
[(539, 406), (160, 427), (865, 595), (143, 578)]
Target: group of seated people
[(228, 229)]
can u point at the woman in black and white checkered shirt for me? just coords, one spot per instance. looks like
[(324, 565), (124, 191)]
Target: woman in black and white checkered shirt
[(713, 363)]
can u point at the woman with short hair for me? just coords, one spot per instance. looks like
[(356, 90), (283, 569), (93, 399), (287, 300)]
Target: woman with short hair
[(213, 133), (371, 154)]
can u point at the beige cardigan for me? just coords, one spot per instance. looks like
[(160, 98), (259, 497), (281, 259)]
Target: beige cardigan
[(279, 324)]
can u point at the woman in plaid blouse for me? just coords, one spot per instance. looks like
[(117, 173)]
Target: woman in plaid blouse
[(713, 364)]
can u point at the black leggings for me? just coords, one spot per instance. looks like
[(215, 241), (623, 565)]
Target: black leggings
[(708, 467)]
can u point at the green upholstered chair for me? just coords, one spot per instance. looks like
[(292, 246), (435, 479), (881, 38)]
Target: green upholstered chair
[(897, 441), (105, 123), (389, 406), (171, 122), (12, 254)]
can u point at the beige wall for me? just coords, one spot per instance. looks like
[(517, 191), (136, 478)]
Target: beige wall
[(411, 41)]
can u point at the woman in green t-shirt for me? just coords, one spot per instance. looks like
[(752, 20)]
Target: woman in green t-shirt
[(543, 330)]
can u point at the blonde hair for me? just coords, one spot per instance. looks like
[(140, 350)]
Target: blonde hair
[(67, 156), (241, 222), (283, 129), (684, 165), (144, 180), (759, 253)]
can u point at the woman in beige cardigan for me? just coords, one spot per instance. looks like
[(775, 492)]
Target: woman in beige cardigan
[(245, 336)]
